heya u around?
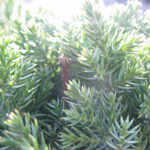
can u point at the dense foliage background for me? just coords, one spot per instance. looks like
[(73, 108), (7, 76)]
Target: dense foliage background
[(108, 91)]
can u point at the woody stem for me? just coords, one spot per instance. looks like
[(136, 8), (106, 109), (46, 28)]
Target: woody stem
[(66, 79)]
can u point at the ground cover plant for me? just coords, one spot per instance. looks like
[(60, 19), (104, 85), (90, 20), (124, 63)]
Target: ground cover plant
[(107, 101)]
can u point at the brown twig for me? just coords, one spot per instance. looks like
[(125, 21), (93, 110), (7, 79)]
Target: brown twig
[(65, 64)]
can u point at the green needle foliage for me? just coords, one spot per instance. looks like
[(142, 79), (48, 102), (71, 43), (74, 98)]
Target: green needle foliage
[(91, 122), (17, 74), (109, 77), (120, 141), (26, 137)]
